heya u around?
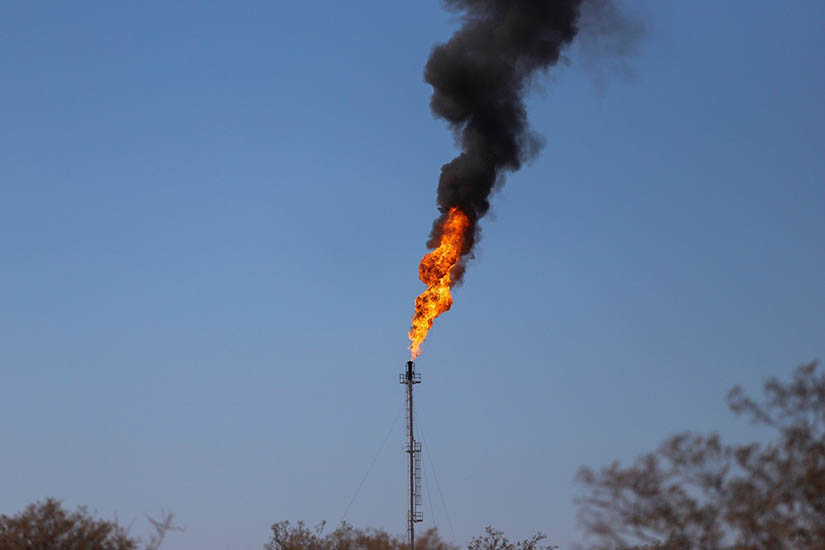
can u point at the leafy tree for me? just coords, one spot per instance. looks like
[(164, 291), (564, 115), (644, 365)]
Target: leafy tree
[(300, 537), (48, 526), (696, 492), (493, 539), (286, 536)]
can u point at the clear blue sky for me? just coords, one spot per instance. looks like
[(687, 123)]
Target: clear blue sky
[(211, 216)]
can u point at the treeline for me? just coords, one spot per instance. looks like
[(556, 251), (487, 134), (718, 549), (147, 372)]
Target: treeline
[(695, 492), (286, 536)]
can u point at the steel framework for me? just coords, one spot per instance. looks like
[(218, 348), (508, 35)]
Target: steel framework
[(413, 449)]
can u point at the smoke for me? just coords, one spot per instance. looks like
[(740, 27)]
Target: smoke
[(479, 79)]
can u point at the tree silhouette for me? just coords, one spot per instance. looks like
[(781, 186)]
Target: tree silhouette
[(48, 526), (162, 527), (493, 539), (695, 492), (286, 536)]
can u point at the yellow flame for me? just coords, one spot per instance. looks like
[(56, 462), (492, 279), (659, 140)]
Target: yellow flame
[(434, 271)]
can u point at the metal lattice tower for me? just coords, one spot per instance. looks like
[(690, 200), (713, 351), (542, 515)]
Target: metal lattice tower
[(413, 448)]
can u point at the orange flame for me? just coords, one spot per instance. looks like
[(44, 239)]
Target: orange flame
[(434, 271)]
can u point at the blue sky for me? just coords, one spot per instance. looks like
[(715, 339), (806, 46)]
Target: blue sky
[(211, 217)]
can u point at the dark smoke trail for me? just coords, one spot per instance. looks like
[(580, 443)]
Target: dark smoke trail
[(479, 80)]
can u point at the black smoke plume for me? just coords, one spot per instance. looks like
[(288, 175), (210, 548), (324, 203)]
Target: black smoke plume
[(479, 80)]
